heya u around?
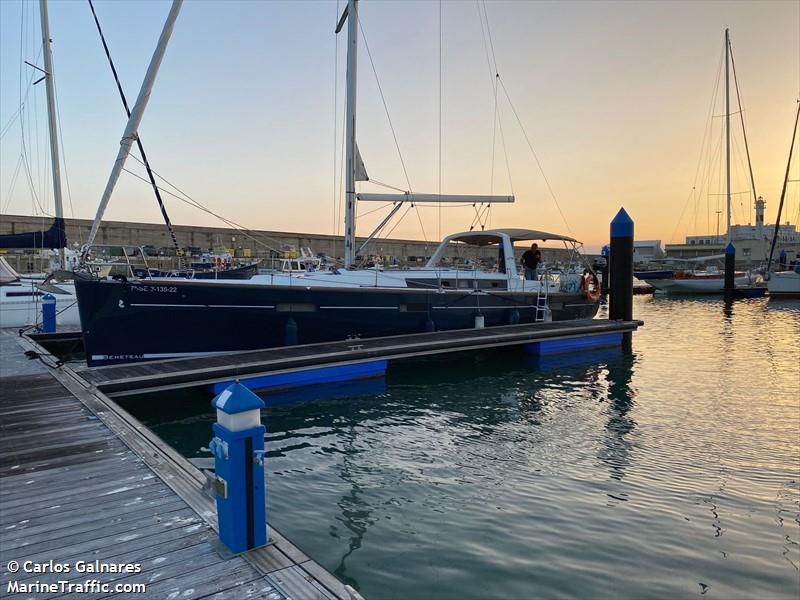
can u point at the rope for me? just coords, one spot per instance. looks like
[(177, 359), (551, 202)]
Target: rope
[(146, 163)]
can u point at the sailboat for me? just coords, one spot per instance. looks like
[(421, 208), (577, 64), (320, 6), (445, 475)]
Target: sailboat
[(709, 280), (784, 284), (20, 296), (146, 319)]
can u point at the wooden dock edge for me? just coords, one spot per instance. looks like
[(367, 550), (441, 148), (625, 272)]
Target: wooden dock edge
[(281, 560)]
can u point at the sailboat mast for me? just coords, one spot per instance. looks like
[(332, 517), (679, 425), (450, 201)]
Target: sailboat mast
[(783, 191), (132, 128), (350, 133), (51, 121), (728, 135)]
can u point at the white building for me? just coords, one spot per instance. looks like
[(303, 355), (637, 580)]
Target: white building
[(752, 242), (647, 250)]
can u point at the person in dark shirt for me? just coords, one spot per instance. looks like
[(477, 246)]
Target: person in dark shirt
[(530, 260)]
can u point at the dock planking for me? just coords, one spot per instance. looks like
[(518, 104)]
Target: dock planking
[(133, 378), (80, 479)]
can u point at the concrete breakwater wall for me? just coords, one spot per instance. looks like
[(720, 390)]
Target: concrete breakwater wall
[(264, 245)]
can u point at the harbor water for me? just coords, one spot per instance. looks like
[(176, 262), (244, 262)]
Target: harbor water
[(672, 471)]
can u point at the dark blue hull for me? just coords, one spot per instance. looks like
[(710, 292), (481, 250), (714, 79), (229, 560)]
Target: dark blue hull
[(135, 321), (659, 274)]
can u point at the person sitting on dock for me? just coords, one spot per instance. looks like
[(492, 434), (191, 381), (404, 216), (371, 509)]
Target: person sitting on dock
[(530, 260)]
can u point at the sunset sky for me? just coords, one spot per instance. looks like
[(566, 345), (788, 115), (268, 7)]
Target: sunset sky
[(614, 97)]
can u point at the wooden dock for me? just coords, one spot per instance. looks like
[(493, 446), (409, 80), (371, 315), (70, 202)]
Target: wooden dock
[(82, 480), (184, 372)]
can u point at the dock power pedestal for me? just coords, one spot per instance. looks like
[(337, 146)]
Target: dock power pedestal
[(238, 449)]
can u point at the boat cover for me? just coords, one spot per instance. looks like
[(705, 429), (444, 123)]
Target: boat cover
[(53, 238)]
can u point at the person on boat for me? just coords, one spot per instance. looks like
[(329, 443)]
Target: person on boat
[(782, 260), (530, 261)]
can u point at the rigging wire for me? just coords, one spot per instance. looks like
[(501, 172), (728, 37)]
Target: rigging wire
[(146, 163), (706, 134), (744, 129), (369, 212), (720, 186), (491, 59), (439, 236), (341, 172), (13, 184), (184, 197), (386, 185), (391, 127), (191, 202), (12, 119), (64, 157), (535, 156), (493, 85), (400, 220), (737, 156)]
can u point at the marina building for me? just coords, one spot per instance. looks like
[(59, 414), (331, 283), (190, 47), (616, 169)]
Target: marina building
[(752, 241)]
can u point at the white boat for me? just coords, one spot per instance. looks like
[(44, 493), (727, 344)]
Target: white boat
[(21, 299), (21, 296), (701, 282), (711, 280), (784, 284)]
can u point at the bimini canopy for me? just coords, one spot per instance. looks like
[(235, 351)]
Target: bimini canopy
[(501, 237), (493, 236)]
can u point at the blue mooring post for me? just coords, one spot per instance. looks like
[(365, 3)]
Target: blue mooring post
[(48, 314), (730, 269), (238, 448), (620, 304)]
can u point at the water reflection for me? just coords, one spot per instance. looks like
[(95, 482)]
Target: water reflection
[(616, 449), (355, 512), (579, 475)]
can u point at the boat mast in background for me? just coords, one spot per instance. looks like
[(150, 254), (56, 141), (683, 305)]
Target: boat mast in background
[(783, 191), (132, 128), (47, 51), (728, 133)]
